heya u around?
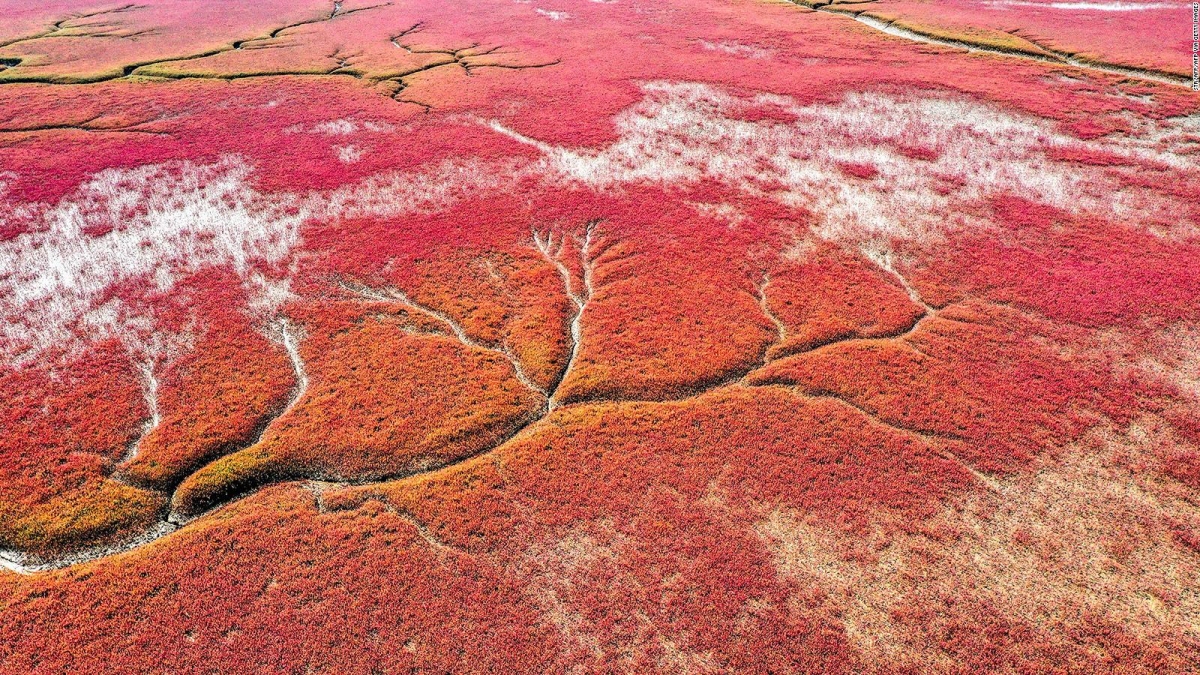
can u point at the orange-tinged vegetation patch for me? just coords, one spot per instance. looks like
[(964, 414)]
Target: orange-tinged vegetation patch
[(64, 432), (381, 401)]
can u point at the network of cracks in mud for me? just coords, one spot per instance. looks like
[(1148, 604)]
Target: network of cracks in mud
[(1019, 45), (573, 257), (393, 81)]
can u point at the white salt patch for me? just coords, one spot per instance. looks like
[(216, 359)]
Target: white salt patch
[(93, 265), (685, 132), (267, 295), (335, 127), (348, 154), (166, 221), (730, 214), (736, 49), (393, 194), (553, 15), (340, 127)]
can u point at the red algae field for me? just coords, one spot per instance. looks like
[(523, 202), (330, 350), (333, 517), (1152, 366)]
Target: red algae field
[(599, 336)]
